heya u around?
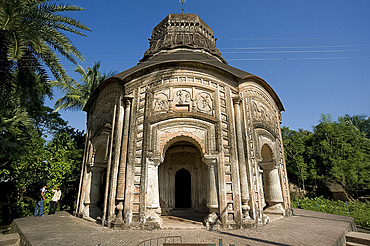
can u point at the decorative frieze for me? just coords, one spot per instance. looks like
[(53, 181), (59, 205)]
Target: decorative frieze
[(179, 99)]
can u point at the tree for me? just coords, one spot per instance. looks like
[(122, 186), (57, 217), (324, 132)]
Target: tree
[(342, 153), (27, 162), (336, 151), (296, 146), (77, 94), (32, 33), (64, 157), (359, 122), (37, 25)]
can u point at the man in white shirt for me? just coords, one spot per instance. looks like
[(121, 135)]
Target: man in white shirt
[(55, 200)]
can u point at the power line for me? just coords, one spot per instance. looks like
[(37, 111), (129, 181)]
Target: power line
[(292, 51), (297, 47), (303, 38), (299, 58)]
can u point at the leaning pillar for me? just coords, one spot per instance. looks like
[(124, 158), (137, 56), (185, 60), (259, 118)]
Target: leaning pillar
[(116, 161), (242, 163), (123, 162)]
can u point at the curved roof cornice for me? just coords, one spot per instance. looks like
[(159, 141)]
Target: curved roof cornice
[(189, 59), (266, 86), (185, 57)]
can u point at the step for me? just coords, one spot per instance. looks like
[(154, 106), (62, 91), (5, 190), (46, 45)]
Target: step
[(353, 244), (358, 237), (10, 239)]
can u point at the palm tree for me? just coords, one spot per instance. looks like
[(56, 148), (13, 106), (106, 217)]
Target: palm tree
[(37, 26), (32, 34), (77, 94), (360, 122)]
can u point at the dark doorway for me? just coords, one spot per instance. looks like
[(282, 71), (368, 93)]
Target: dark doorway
[(183, 189)]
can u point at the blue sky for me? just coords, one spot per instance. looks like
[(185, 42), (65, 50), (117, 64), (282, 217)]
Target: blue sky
[(314, 54)]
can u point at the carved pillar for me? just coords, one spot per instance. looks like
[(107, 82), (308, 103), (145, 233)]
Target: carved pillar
[(241, 158), (273, 193), (260, 187), (171, 191), (122, 166), (86, 200), (153, 209), (81, 187), (109, 151), (196, 188), (85, 178), (92, 193), (212, 220)]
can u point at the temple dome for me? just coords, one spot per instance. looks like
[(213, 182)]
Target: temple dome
[(182, 31)]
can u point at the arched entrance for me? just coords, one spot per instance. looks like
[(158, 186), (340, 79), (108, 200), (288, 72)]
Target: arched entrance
[(182, 189), (183, 178)]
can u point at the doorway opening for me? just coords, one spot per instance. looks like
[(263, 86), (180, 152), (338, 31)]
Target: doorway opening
[(183, 189)]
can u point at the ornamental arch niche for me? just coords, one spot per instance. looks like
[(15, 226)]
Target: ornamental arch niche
[(271, 181), (96, 177), (182, 177)]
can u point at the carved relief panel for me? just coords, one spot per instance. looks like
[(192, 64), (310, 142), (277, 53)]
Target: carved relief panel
[(182, 96), (102, 112), (101, 116), (160, 102), (183, 99), (204, 103), (263, 116)]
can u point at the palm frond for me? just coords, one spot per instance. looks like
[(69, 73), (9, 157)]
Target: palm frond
[(77, 94)]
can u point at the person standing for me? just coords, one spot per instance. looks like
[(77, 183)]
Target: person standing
[(39, 208), (55, 200)]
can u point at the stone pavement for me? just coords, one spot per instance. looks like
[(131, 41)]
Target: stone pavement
[(303, 228)]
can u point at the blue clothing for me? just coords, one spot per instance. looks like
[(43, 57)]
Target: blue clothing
[(39, 205)]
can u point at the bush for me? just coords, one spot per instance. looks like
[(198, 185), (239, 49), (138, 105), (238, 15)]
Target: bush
[(358, 210)]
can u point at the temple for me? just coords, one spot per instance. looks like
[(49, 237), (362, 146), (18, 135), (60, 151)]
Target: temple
[(183, 130)]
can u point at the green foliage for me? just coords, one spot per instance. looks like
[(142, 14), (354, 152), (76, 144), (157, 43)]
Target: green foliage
[(336, 151), (77, 94), (64, 157), (297, 154), (32, 33), (27, 163), (38, 25), (358, 210)]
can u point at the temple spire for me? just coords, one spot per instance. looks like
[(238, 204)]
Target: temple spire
[(186, 31)]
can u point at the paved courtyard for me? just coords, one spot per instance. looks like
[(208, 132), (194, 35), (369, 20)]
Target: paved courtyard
[(304, 228)]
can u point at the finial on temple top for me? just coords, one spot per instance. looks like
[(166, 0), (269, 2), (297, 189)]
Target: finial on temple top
[(182, 3)]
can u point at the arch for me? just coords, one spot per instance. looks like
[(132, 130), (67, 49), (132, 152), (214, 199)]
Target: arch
[(182, 136), (182, 177), (99, 154), (271, 182), (266, 153)]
